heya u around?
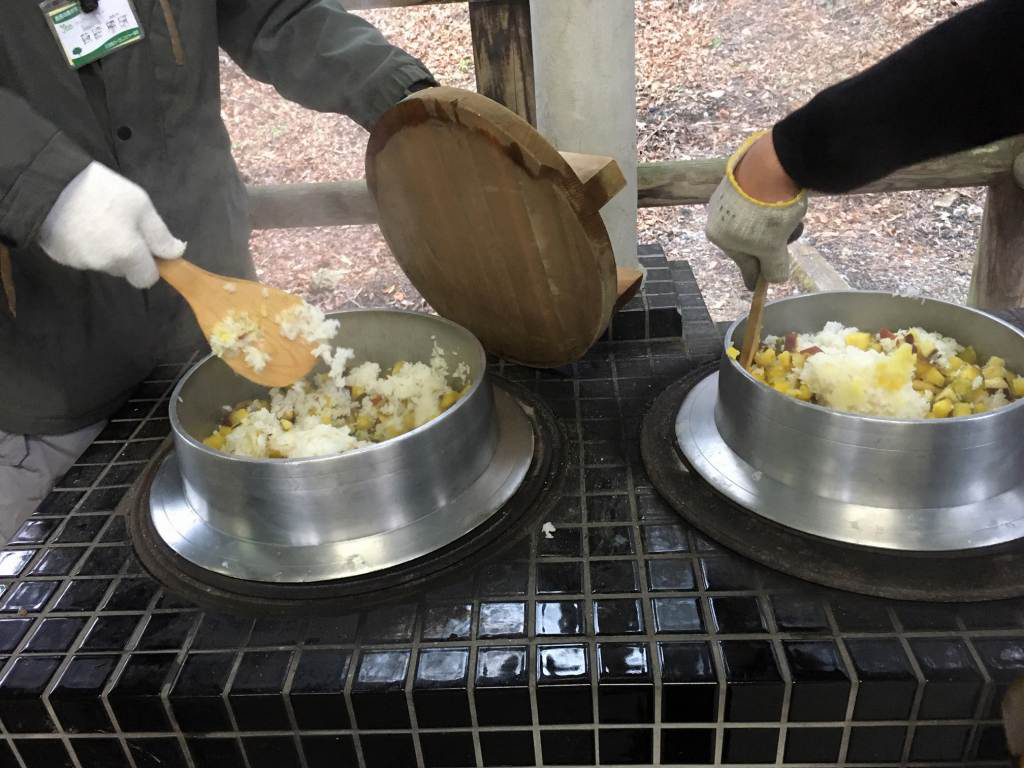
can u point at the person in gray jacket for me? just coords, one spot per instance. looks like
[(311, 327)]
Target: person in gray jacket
[(99, 165)]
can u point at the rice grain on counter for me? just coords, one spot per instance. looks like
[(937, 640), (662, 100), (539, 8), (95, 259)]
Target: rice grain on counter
[(909, 374)]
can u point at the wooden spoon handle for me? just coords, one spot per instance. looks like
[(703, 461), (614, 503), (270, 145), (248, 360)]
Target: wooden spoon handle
[(752, 329), (183, 275)]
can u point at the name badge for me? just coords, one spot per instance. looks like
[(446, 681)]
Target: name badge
[(87, 37)]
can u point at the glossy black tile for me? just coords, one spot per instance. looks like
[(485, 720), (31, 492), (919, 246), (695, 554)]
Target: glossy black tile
[(1003, 658), (21, 688), (727, 574), (196, 696), (617, 617), (330, 752), (670, 574), (992, 743), (512, 748), (1002, 615), (44, 753), (110, 633), (559, 618), (499, 579), (216, 753), (559, 579), (167, 631), (54, 635), (132, 595), (222, 631), (750, 745), (567, 747), (256, 691), (116, 532), (877, 744), (378, 694), (388, 750), (625, 746), (104, 561), (952, 680), (28, 597), (76, 696), (608, 509), (439, 688), (59, 503), (563, 692), (858, 614), (332, 630), (800, 614), (156, 753), (502, 620), (737, 615), (269, 632), (613, 540), (82, 595), (754, 686), (271, 751), (35, 531), (502, 686), (13, 561), (665, 538), (610, 576), (135, 697), (81, 476), (887, 682), (625, 688), (57, 561), (813, 745), (689, 683), (392, 624), (934, 743), (12, 631), (447, 750), (821, 684), (918, 618), (317, 690), (674, 615), (81, 529), (692, 746), (100, 753), (564, 542)]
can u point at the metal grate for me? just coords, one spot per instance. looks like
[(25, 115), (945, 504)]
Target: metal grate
[(626, 638)]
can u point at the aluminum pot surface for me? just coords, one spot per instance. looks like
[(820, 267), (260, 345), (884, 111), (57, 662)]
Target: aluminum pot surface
[(887, 463), (306, 502)]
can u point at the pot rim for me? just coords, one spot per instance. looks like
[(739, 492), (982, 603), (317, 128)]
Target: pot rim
[(180, 432), (855, 417)]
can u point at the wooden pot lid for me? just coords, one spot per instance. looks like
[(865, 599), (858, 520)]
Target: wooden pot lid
[(498, 231)]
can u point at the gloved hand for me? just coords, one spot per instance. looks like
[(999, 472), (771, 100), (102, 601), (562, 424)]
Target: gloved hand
[(752, 233), (105, 222)]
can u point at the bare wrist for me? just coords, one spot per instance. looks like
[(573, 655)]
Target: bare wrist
[(760, 174)]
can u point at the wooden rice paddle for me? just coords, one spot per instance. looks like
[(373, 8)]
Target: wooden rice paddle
[(1013, 721), (211, 302), (752, 329)]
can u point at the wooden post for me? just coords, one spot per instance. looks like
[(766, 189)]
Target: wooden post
[(998, 278), (503, 54)]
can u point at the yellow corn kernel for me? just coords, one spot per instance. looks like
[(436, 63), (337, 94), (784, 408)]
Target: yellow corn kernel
[(923, 386), (215, 441), (397, 367), (876, 346), (962, 387), (804, 393), (732, 352), (969, 355), (275, 454), (947, 394), (363, 422), (764, 357), (942, 408), (980, 407), (993, 372), (969, 372), (858, 339), (1017, 386), (775, 373), (757, 372), (357, 392), (934, 376), (783, 387), (955, 363), (286, 425), (448, 399), (995, 383), (997, 362), (962, 409), (798, 360), (976, 395), (325, 418), (786, 359), (237, 416)]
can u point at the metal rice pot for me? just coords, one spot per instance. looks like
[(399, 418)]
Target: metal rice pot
[(387, 486), (894, 464)]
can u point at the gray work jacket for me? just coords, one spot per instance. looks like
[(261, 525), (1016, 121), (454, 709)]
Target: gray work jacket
[(81, 341)]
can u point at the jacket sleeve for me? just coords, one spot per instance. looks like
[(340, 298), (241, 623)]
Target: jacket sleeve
[(955, 87), (36, 162), (319, 55)]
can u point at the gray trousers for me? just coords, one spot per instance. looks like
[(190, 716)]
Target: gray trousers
[(29, 466)]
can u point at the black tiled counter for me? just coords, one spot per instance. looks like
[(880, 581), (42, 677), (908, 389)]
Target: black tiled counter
[(625, 638)]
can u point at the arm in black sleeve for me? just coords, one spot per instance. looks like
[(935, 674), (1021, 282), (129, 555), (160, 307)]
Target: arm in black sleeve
[(959, 85)]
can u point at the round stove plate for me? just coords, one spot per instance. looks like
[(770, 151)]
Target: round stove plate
[(194, 539), (993, 521)]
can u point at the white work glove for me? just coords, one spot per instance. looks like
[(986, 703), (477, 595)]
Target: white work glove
[(105, 222), (752, 233)]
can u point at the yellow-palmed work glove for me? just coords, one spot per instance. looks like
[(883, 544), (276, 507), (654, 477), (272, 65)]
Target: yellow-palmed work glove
[(752, 233)]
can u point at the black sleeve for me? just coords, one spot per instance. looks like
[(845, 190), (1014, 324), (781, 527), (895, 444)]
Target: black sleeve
[(959, 85)]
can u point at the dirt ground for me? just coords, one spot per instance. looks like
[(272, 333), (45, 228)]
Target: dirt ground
[(709, 73)]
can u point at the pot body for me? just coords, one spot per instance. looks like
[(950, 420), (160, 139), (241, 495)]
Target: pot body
[(884, 463), (308, 502)]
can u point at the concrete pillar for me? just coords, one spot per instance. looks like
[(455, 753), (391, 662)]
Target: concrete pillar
[(584, 63)]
